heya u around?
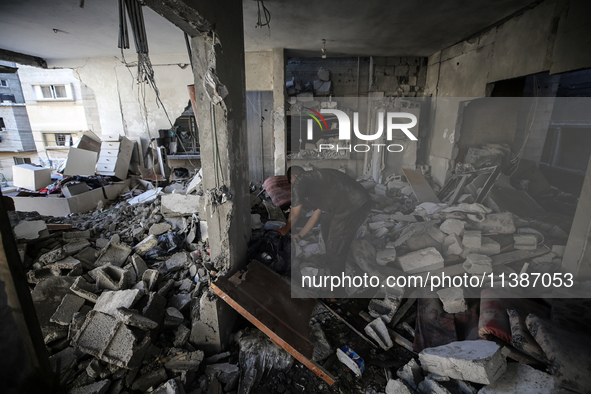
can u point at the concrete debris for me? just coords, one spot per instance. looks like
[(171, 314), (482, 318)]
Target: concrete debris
[(109, 301), (174, 205), (114, 253), (397, 387), (431, 386), (386, 256), (378, 331), (93, 388), (411, 374), (501, 223), (478, 264), (421, 261), (180, 260), (146, 245), (453, 245), (32, 229), (525, 241), (521, 378), (453, 300), (384, 309), (453, 226), (159, 228), (477, 361), (472, 239), (65, 311)]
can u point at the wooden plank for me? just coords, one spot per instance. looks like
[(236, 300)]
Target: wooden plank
[(59, 226), (264, 299), (420, 187)]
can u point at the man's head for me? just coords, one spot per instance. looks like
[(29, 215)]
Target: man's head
[(293, 172)]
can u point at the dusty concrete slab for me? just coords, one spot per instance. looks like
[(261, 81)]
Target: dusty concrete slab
[(70, 304), (521, 378), (173, 205), (83, 289), (178, 261), (478, 361), (109, 301), (114, 254), (411, 374), (147, 243), (453, 300), (31, 229), (159, 228), (421, 261), (395, 386), (453, 226)]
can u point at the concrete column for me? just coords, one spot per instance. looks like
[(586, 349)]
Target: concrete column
[(24, 365), (279, 126), (217, 45), (577, 256)]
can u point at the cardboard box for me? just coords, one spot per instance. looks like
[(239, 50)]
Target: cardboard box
[(80, 162), (58, 206), (30, 177)]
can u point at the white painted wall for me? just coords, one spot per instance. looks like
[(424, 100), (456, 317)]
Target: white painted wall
[(123, 106)]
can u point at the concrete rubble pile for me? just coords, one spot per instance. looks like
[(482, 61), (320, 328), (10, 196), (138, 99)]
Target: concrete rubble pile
[(405, 234), (118, 295)]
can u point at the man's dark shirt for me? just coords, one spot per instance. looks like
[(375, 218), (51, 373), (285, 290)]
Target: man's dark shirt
[(329, 190)]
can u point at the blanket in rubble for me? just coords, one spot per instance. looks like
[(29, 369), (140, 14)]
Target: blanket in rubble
[(272, 250)]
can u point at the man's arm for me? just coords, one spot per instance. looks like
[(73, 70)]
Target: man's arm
[(311, 223), (293, 218)]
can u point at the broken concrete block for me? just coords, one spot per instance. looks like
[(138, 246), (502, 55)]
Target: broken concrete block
[(521, 378), (452, 245), (146, 245), (472, 239), (453, 300), (411, 374), (114, 254), (69, 263), (94, 369), (173, 205), (478, 264), (178, 261), (431, 386), (203, 230), (52, 256), (31, 229), (93, 388), (179, 301), (421, 261), (397, 387), (179, 360), (36, 276), (75, 246), (478, 361), (154, 307), (63, 360), (388, 255), (133, 318), (453, 226), (159, 228), (435, 233), (378, 331), (525, 241), (70, 304), (109, 301), (139, 265), (489, 247), (84, 289), (110, 277), (501, 223), (384, 309), (173, 317), (150, 278), (181, 336), (171, 386), (152, 379)]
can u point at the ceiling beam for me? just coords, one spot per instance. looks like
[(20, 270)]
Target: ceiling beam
[(180, 14), (21, 58)]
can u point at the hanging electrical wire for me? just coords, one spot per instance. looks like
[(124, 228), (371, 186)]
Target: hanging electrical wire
[(132, 10), (263, 14)]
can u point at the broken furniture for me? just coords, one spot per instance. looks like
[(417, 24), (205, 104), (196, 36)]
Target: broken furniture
[(115, 156), (282, 318)]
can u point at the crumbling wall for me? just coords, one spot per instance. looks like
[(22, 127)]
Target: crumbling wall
[(124, 107), (526, 44)]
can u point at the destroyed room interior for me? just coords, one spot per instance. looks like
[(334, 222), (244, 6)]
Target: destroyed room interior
[(272, 196)]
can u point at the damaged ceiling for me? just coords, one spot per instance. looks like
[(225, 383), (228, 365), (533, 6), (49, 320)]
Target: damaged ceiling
[(61, 29)]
